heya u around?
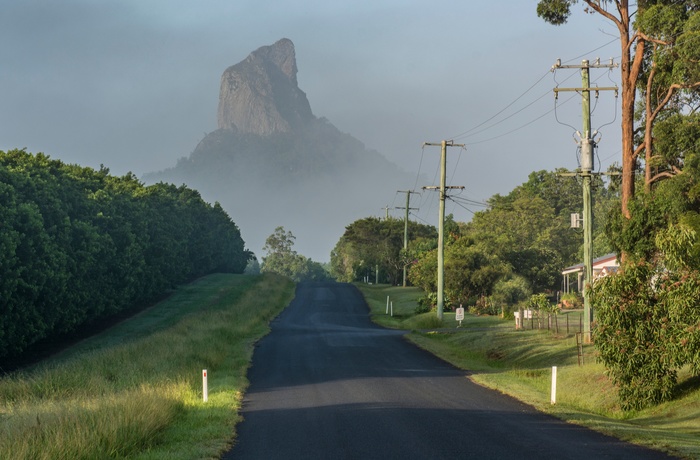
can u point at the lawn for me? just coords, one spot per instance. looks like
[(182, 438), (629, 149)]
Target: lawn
[(519, 363)]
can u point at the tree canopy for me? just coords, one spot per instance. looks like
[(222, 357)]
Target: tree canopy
[(77, 245), (282, 259), (372, 244), (659, 60)]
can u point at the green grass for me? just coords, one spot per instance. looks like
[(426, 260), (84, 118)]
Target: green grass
[(135, 391), (519, 363)]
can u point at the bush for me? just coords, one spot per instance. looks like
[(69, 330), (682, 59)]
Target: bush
[(484, 306), (572, 300), (428, 302), (422, 307)]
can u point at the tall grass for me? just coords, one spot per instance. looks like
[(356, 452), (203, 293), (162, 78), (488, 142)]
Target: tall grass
[(135, 390)]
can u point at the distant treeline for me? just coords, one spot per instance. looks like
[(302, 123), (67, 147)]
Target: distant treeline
[(78, 245)]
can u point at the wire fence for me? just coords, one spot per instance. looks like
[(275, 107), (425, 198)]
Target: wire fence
[(561, 324)]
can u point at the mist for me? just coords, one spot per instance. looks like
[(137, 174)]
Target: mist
[(134, 86)]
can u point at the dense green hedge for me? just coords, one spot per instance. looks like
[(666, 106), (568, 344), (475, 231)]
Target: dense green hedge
[(77, 245)]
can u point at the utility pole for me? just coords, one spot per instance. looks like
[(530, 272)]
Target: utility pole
[(386, 209), (405, 228), (587, 144), (441, 223)]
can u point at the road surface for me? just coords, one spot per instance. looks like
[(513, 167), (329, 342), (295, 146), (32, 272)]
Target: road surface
[(327, 383)]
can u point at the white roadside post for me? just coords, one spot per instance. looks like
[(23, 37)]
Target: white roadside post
[(554, 384), (392, 308), (387, 305), (205, 386)]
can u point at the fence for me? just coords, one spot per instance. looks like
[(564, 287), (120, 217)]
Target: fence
[(566, 323), (559, 323)]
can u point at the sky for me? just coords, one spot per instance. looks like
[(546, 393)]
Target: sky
[(133, 84)]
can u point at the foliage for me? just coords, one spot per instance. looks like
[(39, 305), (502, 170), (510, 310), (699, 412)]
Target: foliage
[(555, 11), (78, 245), (659, 61), (484, 305), (648, 317), (423, 306), (469, 272), (253, 267), (631, 336), (670, 85), (283, 259), (572, 300), (517, 246), (541, 302), (529, 228), (428, 301), (511, 291), (369, 244)]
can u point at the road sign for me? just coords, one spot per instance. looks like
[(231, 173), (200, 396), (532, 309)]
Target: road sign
[(459, 314)]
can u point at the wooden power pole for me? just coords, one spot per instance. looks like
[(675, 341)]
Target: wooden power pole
[(405, 228), (441, 223), (586, 145)]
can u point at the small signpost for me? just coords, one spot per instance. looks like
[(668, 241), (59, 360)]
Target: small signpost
[(459, 315)]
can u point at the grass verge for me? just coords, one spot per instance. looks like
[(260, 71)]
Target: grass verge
[(135, 391), (519, 363)]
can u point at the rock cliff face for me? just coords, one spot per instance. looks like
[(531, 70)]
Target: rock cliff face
[(260, 94), (273, 163)]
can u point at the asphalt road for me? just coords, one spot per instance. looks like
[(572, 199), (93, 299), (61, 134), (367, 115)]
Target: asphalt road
[(326, 383)]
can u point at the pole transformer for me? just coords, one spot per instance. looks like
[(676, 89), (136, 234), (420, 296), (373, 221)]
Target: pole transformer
[(587, 145), (441, 223)]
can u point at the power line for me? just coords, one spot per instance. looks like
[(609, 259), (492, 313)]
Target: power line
[(459, 136), (469, 132)]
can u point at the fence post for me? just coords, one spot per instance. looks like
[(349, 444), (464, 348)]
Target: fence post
[(580, 322)]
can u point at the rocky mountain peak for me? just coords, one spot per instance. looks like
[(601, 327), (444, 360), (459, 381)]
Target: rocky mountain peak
[(260, 94)]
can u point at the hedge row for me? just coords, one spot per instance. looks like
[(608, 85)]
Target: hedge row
[(78, 245)]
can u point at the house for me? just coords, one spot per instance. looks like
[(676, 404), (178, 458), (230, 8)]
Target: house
[(574, 275)]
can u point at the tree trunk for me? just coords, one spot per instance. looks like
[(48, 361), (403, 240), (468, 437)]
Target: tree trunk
[(629, 72)]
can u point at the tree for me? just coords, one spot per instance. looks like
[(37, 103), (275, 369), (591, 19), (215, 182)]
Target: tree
[(471, 272), (557, 12), (78, 245), (511, 291), (651, 27), (647, 314), (671, 74), (371, 243), (283, 259), (524, 232)]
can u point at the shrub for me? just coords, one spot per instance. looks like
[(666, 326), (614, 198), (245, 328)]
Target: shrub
[(572, 300)]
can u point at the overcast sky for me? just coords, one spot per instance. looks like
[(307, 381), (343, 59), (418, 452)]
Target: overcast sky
[(133, 84)]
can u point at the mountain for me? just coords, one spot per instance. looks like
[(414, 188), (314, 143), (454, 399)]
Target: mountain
[(272, 162)]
